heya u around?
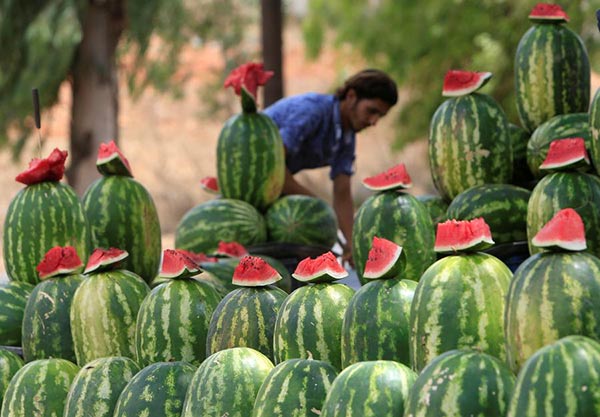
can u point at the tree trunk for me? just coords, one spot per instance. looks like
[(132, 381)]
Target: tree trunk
[(272, 46), (95, 108)]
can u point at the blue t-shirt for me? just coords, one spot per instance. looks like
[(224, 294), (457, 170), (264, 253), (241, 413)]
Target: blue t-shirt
[(311, 129)]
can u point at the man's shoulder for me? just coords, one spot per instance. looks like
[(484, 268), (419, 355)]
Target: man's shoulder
[(305, 102)]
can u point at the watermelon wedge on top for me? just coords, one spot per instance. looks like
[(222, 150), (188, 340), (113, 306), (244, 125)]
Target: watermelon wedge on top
[(177, 264), (568, 153), (253, 271), (231, 249), (386, 259), (546, 12), (463, 235), (394, 178), (111, 160), (59, 261), (460, 83), (564, 231), (104, 259), (324, 268), (210, 185)]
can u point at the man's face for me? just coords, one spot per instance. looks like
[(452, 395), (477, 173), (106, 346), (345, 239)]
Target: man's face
[(365, 112)]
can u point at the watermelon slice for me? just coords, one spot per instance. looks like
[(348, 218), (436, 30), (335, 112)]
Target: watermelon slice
[(210, 185), (59, 261), (111, 160), (460, 83), (546, 12), (463, 235), (386, 259), (324, 268), (176, 264), (394, 178), (564, 231), (105, 259), (253, 271), (231, 249), (198, 257), (50, 169), (568, 153)]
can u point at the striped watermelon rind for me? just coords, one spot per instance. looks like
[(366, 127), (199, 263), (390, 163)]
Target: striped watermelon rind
[(594, 117), (10, 363), (13, 300)]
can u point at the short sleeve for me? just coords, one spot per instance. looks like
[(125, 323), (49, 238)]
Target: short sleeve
[(343, 161)]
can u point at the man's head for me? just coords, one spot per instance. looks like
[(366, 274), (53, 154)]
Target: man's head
[(365, 98)]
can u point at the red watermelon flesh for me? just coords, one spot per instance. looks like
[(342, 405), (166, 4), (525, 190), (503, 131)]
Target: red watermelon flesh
[(210, 185), (564, 231), (253, 271), (394, 178), (566, 153), (386, 259), (460, 83), (59, 261), (111, 160), (324, 268), (50, 169), (105, 259), (548, 12), (231, 249), (463, 235), (176, 264), (198, 257)]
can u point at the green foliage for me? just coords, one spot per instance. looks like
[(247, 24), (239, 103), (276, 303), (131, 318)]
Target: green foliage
[(418, 41)]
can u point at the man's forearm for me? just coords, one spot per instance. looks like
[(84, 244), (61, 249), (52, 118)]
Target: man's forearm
[(291, 186)]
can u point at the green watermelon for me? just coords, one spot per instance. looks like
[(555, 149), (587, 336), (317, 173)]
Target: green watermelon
[(204, 226), (461, 383), (294, 388), (594, 116), (552, 73), (436, 206), (372, 388), (227, 383), (97, 386), (13, 299), (302, 219), (173, 322), (309, 323), (158, 390), (10, 363), (398, 217), (39, 389), (376, 322), (459, 303)]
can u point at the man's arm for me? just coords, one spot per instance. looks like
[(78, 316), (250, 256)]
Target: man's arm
[(344, 209), (291, 186)]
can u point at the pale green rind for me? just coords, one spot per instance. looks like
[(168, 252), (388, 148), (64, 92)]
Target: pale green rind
[(436, 206), (552, 74), (39, 389), (309, 323), (294, 388), (376, 322), (173, 320), (562, 190), (245, 318), (594, 116), (459, 303), (370, 389), (461, 383), (103, 315), (227, 383), (13, 299), (158, 390), (10, 363), (561, 379), (97, 386), (469, 145), (398, 217), (122, 215), (46, 322), (40, 217), (552, 295)]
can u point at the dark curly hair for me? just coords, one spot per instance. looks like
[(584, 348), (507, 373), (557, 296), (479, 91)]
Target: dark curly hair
[(370, 83)]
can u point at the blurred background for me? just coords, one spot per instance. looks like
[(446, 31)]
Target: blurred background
[(149, 73)]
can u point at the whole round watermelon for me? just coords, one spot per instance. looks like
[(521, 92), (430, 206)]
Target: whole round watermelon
[(13, 299), (436, 206), (10, 363), (595, 130)]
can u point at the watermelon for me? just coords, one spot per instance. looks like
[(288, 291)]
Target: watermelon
[(245, 318), (231, 249), (105, 259), (459, 303), (566, 154), (323, 268), (253, 271), (376, 322), (462, 235), (309, 322), (204, 226), (461, 383), (560, 379), (44, 214), (502, 206), (13, 299), (594, 121), (173, 321), (158, 390), (545, 12), (111, 160), (552, 295), (10, 363), (385, 260), (39, 389), (394, 178), (227, 383), (177, 264), (400, 218), (96, 388), (460, 83), (373, 388), (250, 152), (303, 220), (59, 261), (435, 205), (564, 231), (294, 388), (552, 71), (210, 185)]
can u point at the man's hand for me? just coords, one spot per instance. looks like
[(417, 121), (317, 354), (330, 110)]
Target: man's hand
[(347, 256)]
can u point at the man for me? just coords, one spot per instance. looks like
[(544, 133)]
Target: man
[(320, 130)]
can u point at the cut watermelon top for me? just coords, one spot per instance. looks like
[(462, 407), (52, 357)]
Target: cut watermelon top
[(253, 271), (566, 153), (463, 235), (550, 13), (50, 169), (59, 261), (460, 83), (564, 231), (394, 178)]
